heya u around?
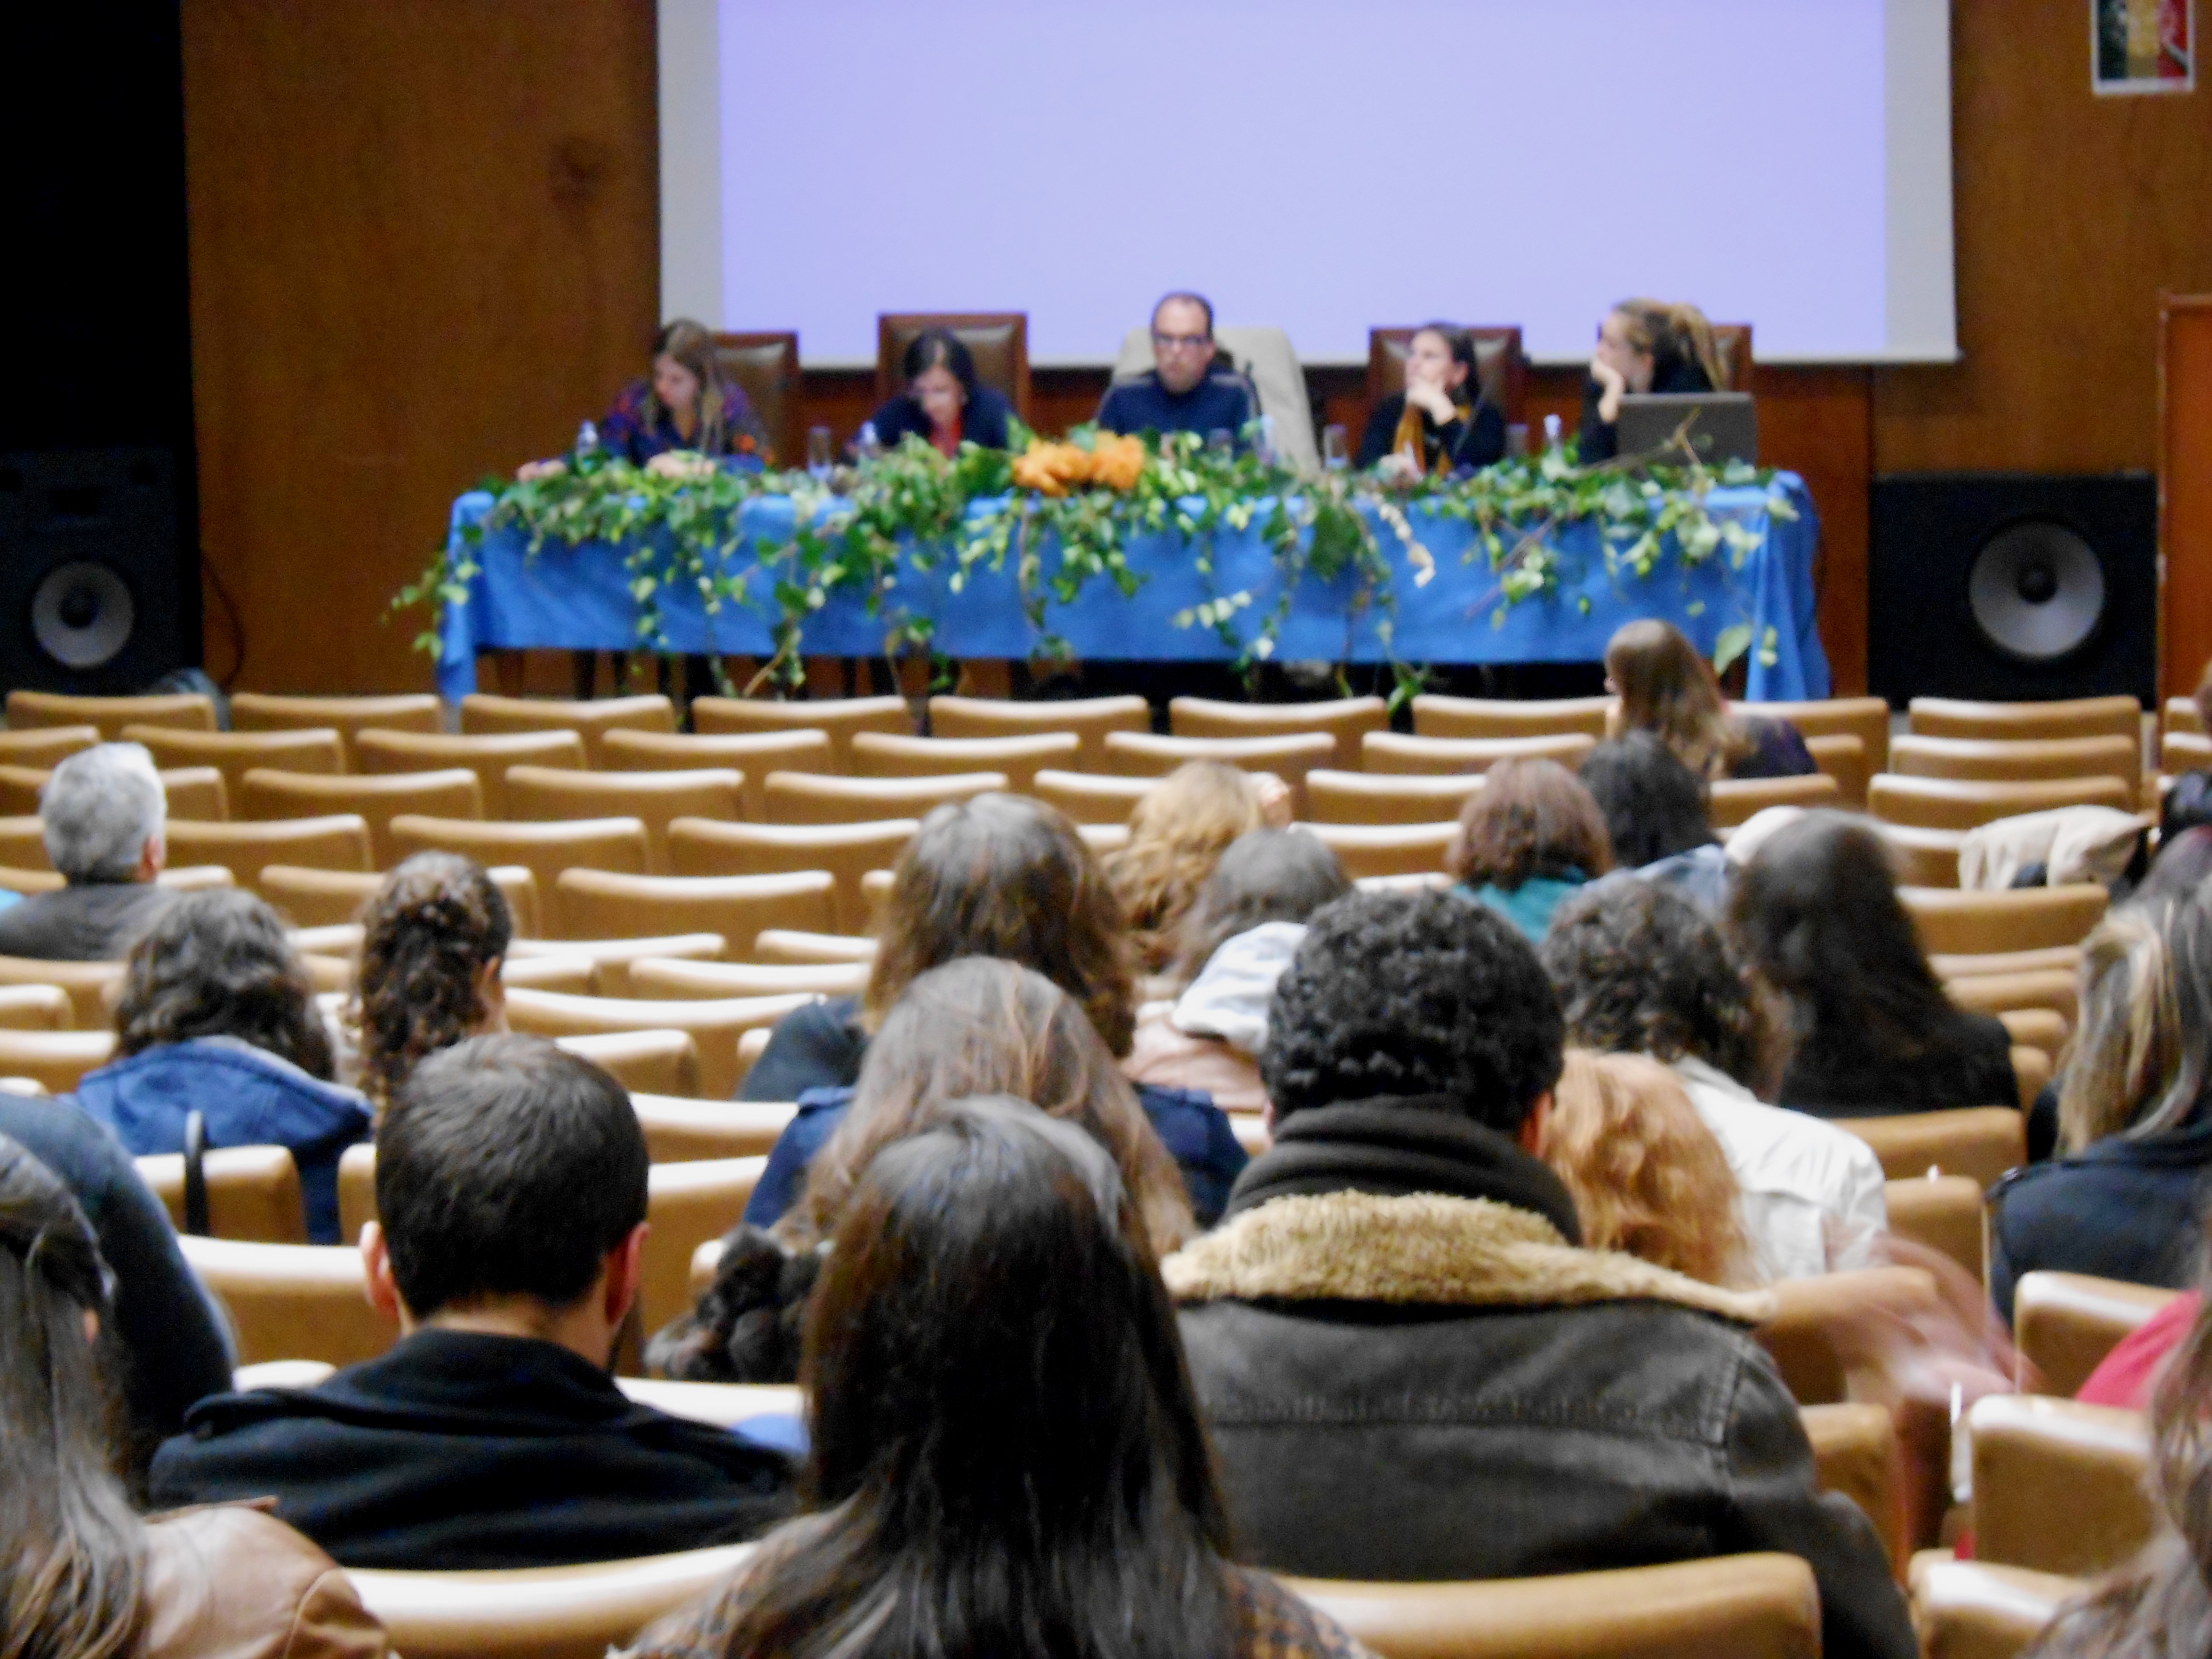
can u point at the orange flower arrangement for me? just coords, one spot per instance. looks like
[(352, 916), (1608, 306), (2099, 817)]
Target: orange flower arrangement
[(1117, 462), (1054, 469)]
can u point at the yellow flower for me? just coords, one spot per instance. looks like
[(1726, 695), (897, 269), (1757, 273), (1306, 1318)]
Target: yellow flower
[(1051, 469), (1117, 462)]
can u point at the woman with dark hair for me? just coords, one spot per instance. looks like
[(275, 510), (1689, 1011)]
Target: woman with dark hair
[(999, 876), (1006, 1455), (944, 403), (434, 940), (1644, 346), (1667, 688), (217, 1016), (1441, 423), (1236, 940), (1657, 819), (1527, 838), (84, 1578), (1817, 916)]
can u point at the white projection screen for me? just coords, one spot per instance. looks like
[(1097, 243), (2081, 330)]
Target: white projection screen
[(1322, 167)]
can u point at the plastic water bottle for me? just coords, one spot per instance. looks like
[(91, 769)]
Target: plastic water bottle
[(588, 439), (1551, 432), (868, 446), (1267, 443)]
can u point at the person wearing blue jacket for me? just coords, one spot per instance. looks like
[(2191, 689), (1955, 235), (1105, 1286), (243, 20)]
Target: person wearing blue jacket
[(217, 1016)]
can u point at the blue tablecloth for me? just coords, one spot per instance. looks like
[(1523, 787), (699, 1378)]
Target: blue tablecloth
[(578, 597)]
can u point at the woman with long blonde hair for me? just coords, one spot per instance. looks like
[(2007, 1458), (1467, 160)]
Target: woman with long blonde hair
[(1176, 835), (1667, 688), (1644, 346)]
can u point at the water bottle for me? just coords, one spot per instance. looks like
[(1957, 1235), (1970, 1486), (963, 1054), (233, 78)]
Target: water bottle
[(588, 447), (1267, 443), (1551, 432), (868, 446)]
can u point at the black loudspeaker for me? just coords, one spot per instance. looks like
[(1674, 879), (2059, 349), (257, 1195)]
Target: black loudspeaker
[(2013, 587), (90, 599)]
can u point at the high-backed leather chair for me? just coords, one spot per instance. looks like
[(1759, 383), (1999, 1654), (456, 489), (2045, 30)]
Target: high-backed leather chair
[(1732, 345), (764, 364), (998, 340), (2059, 1485), (2066, 1324), (1500, 368), (1973, 1610)]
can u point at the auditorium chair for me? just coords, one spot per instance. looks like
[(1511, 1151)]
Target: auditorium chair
[(46, 746), (1345, 718), (554, 794), (483, 715), (611, 958), (751, 755), (318, 898), (1417, 882), (721, 1405), (1438, 716), (356, 1190), (234, 754), (1142, 754), (2079, 717), (36, 1008), (193, 792), (1922, 858), (577, 974), (1089, 798), (538, 1612), (546, 850), (91, 987), (847, 850), (292, 1301), (413, 711), (1819, 1326), (1392, 751), (835, 718), (1960, 804), (2052, 989), (1973, 1610), (882, 755), (2059, 958), (1735, 800), (1842, 758), (2185, 751), (1500, 368), (179, 711), (998, 341), (488, 756), (2059, 1485), (23, 843), (1866, 719), (2022, 761), (684, 1131), (670, 978), (1979, 1142), (653, 1062), (714, 1025), (1387, 798), (1944, 1213), (1855, 1452), (1727, 1607), (2067, 1323), (1952, 923), (2035, 1028), (337, 841), (810, 798), (1089, 718), (607, 904), (787, 944), (875, 893), (252, 1192), (764, 365), (2181, 714), (1387, 850), (687, 1204), (376, 799), (26, 881)]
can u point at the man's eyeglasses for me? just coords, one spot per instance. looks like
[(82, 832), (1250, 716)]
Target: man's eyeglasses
[(1181, 342)]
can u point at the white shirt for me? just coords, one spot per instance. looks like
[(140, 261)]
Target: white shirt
[(1812, 1197)]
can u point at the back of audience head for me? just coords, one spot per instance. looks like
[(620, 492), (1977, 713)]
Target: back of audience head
[(1005, 1453), (1647, 1176), (2187, 805), (1654, 807), (1264, 875), (104, 813), (217, 964), (2142, 1058), (510, 1175), (433, 941), (979, 1026), (1667, 688), (2183, 861), (1531, 818), (1413, 997), (1640, 971), (1177, 834), (1004, 876), (73, 1547)]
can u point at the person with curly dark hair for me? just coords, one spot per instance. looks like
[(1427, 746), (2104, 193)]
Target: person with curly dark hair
[(434, 940), (217, 1016), (1527, 839), (1411, 1367), (1640, 971)]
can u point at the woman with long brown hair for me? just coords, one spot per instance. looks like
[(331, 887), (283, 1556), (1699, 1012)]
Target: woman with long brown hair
[(1176, 835), (434, 939), (1527, 839), (1667, 688)]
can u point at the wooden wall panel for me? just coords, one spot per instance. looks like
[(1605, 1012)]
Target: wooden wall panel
[(2185, 491), (424, 245)]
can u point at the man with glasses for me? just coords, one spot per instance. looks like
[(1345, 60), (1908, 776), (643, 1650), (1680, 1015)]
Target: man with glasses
[(1190, 390)]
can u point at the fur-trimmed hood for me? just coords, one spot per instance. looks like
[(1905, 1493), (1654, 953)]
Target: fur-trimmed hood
[(1423, 1247)]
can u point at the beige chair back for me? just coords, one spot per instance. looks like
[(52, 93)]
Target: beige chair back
[(603, 904), (1954, 923), (751, 755), (292, 1301), (2059, 1486), (1866, 719), (548, 794), (180, 711), (192, 792), (1979, 1142), (2181, 714), (376, 799), (1387, 850), (1944, 1213), (2079, 717), (687, 1204), (1091, 798), (1736, 799), (325, 898), (680, 1131), (669, 979), (847, 850), (1923, 858), (337, 841), (1141, 754), (1973, 1610), (36, 1008), (2022, 761), (835, 718), (1957, 804), (2185, 751), (26, 881), (806, 798), (782, 945), (2032, 1068), (1389, 752), (2050, 989), (23, 844), (484, 716), (414, 711), (234, 754), (882, 754), (715, 1026), (1819, 1325), (610, 958), (1842, 755), (546, 850), (46, 746), (91, 987), (1480, 717), (1387, 798), (58, 1060), (1089, 718), (2067, 1323), (252, 1192), (657, 1062), (1855, 1452), (723, 1404), (1345, 719), (489, 757), (577, 974)]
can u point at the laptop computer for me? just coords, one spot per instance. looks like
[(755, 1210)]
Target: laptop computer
[(1724, 425)]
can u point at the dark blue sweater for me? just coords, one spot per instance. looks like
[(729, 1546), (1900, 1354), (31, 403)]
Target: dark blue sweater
[(983, 421), (1223, 401)]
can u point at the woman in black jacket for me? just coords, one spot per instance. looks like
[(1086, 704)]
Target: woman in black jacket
[(1644, 345), (1442, 415), (943, 404)]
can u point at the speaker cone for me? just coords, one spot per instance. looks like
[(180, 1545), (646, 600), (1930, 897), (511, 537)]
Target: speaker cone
[(82, 614), (2036, 591)]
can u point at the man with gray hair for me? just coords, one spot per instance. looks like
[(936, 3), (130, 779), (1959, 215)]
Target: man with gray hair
[(105, 811)]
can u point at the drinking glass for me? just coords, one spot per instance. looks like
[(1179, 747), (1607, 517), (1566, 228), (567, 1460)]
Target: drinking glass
[(1335, 453), (1221, 441), (820, 452)]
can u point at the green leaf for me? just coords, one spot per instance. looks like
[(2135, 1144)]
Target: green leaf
[(1735, 639)]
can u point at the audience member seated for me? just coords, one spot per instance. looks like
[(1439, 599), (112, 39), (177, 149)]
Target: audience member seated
[(1528, 838), (217, 1017), (1441, 423), (2124, 1201), (1237, 940), (434, 940), (1647, 1176), (510, 1181), (2128, 1374), (998, 876), (1006, 1457), (944, 403), (1872, 1034), (85, 1576), (2187, 805), (1658, 820), (103, 811), (1667, 688), (2157, 1607), (1410, 1366), (1188, 391), (1177, 834), (1644, 346), (1640, 971)]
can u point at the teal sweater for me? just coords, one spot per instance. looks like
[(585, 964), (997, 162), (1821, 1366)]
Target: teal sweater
[(1529, 906)]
